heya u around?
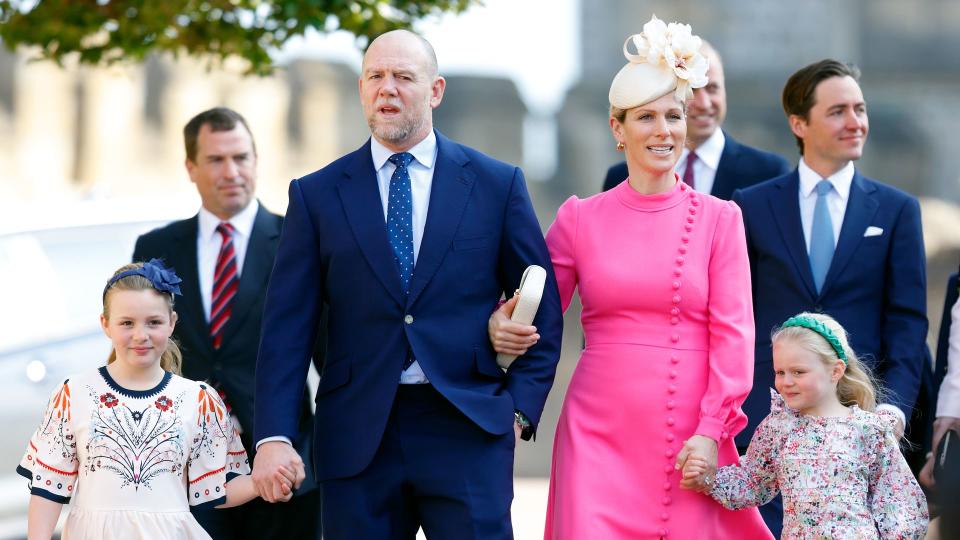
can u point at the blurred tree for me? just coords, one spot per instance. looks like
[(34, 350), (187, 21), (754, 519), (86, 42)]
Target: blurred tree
[(108, 31)]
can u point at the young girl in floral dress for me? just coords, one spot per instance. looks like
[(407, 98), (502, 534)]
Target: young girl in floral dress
[(131, 444), (836, 461)]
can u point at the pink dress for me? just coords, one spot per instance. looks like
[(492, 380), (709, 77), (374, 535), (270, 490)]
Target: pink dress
[(667, 313)]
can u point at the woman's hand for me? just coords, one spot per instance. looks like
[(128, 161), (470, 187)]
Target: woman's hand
[(508, 337), (703, 450)]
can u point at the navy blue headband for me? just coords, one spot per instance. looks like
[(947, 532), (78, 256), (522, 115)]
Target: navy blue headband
[(163, 279)]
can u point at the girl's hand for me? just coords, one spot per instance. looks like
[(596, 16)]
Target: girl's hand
[(695, 472), (283, 478), (705, 449), (508, 337)]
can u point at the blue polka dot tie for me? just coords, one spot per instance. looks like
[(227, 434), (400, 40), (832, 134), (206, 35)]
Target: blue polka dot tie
[(400, 224)]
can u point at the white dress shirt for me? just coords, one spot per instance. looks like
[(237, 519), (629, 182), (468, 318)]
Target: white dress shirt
[(948, 403), (421, 180), (836, 199), (708, 159), (209, 242)]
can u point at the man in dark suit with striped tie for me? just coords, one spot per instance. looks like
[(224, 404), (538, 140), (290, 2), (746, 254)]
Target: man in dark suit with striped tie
[(224, 255), (714, 162)]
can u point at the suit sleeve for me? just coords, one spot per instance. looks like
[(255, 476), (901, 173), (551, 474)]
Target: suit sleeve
[(731, 330), (530, 378), (290, 320), (905, 311)]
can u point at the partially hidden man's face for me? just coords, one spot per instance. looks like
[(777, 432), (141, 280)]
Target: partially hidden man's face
[(224, 170), (399, 90), (707, 109), (836, 127)]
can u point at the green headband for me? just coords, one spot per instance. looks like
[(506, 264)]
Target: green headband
[(820, 328)]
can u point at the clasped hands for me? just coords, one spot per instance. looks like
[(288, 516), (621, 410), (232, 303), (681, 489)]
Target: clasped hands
[(277, 471), (697, 462)]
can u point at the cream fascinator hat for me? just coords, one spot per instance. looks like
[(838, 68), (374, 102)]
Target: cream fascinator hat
[(668, 58)]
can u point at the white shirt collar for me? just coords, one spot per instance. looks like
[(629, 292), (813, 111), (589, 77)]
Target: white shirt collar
[(710, 151), (242, 222), (425, 151), (841, 180)]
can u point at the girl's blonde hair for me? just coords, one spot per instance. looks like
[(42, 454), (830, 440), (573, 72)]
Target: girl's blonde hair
[(857, 386), (171, 359)]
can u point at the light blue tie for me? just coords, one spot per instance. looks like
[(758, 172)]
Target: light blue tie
[(400, 225), (821, 236)]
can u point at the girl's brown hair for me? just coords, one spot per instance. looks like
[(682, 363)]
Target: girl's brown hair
[(171, 359)]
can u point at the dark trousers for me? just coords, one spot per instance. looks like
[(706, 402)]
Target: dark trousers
[(434, 469), (260, 520)]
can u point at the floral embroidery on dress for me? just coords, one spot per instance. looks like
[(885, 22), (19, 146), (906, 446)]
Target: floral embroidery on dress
[(840, 477), (135, 444)]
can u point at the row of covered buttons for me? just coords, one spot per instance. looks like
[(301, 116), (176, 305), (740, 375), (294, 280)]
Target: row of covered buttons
[(674, 316)]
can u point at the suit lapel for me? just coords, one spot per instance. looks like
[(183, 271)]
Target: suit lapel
[(723, 181), (361, 202), (861, 207), (785, 208), (257, 264), (451, 188), (190, 305)]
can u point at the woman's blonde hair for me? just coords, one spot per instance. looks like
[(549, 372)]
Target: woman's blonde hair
[(857, 386), (171, 359)]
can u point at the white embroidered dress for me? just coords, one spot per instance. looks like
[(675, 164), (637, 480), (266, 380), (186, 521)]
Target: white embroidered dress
[(130, 462)]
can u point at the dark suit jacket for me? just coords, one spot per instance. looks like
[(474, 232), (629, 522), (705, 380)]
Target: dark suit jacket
[(876, 286), (943, 339), (233, 365), (740, 166), (480, 235)]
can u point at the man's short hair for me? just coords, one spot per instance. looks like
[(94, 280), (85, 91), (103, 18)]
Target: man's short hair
[(799, 94), (219, 119)]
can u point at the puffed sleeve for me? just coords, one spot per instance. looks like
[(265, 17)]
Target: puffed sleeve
[(730, 354), (561, 241), (898, 505), (50, 462), (754, 481), (216, 455)]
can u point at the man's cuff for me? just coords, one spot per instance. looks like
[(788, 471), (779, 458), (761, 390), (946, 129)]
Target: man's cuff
[(896, 410), (280, 438)]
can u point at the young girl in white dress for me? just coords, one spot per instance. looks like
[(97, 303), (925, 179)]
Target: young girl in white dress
[(834, 458), (130, 445)]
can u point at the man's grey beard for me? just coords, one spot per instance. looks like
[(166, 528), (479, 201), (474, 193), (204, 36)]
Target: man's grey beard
[(396, 133)]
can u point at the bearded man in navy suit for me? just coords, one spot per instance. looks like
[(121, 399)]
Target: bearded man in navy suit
[(825, 238), (713, 161), (410, 240)]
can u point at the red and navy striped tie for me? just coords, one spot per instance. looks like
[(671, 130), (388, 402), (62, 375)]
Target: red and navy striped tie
[(225, 283)]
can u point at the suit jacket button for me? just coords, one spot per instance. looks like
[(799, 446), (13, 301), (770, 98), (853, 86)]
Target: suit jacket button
[(408, 319), (818, 308)]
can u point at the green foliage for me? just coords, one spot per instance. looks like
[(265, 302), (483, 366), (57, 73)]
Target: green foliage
[(108, 31)]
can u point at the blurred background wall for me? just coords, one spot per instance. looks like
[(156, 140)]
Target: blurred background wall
[(78, 133)]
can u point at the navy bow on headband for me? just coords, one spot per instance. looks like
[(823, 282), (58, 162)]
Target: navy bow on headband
[(162, 278)]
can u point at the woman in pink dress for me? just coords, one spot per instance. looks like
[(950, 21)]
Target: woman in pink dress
[(664, 279)]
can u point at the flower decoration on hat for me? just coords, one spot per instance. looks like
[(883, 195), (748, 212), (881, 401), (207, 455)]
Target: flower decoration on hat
[(668, 58)]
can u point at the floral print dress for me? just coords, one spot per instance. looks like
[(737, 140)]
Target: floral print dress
[(841, 477), (131, 462)]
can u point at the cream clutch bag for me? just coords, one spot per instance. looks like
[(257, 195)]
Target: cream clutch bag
[(530, 292)]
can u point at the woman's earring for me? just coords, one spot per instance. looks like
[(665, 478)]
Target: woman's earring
[(619, 146)]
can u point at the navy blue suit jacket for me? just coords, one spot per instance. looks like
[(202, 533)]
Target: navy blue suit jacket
[(481, 233), (876, 286), (740, 166)]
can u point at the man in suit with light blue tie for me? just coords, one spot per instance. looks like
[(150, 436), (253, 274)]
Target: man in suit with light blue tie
[(824, 238), (410, 240)]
